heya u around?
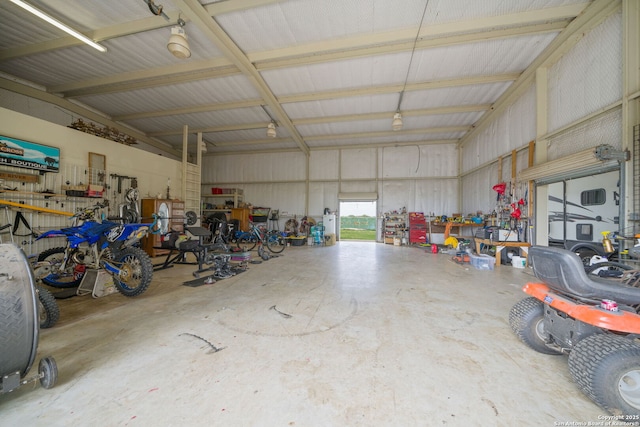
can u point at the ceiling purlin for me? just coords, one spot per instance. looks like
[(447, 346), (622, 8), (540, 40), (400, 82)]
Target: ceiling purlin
[(156, 77), (349, 47), (317, 96)]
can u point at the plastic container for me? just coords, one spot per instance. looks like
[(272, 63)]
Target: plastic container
[(482, 261), (518, 262)]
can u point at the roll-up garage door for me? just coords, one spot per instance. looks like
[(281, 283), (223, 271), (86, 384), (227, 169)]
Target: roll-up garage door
[(357, 196), (576, 165)]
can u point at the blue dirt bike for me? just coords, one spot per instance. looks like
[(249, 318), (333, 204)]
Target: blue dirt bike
[(97, 245)]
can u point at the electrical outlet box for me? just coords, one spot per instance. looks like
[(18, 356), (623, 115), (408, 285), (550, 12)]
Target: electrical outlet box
[(507, 235)]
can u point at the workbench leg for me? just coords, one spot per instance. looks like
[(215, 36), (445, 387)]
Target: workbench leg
[(498, 255), (525, 251)]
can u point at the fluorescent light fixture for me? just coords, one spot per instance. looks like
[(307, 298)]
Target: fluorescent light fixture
[(58, 24)]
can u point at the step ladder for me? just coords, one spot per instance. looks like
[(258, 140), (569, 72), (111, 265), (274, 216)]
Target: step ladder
[(98, 283)]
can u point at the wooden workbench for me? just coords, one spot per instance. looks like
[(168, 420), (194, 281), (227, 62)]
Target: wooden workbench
[(501, 245)]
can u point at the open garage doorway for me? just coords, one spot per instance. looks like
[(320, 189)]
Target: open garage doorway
[(358, 220)]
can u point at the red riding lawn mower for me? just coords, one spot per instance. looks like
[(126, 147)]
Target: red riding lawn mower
[(594, 320)]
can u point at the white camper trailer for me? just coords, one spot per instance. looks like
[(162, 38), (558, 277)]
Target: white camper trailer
[(581, 209)]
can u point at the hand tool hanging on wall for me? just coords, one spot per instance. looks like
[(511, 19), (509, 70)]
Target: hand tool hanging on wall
[(134, 181), (16, 224)]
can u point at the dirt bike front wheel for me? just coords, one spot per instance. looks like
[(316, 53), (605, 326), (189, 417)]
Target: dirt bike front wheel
[(136, 271), (70, 277)]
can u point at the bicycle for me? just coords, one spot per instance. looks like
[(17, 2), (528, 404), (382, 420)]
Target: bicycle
[(273, 240)]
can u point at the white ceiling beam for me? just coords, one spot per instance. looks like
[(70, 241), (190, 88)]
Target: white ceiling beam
[(385, 89), (377, 90), (190, 110), (162, 76), (312, 57), (329, 119), (478, 26), (304, 55), (385, 115), (442, 129)]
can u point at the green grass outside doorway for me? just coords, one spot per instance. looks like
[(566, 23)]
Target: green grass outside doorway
[(354, 234)]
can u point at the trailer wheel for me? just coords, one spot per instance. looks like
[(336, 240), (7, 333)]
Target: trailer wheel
[(606, 368), (48, 370), (526, 319)]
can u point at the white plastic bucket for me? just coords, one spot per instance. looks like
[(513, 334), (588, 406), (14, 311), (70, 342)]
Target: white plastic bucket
[(518, 262)]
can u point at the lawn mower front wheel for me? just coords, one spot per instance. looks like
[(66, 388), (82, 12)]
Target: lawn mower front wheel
[(526, 319)]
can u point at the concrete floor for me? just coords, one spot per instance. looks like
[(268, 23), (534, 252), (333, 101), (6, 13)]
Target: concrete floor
[(378, 335)]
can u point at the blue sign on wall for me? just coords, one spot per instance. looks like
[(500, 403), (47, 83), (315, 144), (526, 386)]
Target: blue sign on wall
[(28, 155)]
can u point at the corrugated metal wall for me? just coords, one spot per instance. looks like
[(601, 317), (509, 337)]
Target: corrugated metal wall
[(585, 81), (513, 130), (417, 177)]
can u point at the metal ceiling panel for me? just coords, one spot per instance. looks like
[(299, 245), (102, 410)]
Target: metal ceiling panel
[(442, 11), (331, 73), (200, 92), (477, 59), (308, 21), (351, 73), (97, 14)]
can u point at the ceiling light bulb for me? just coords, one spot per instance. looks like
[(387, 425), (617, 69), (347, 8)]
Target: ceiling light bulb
[(397, 121), (271, 130), (178, 44)]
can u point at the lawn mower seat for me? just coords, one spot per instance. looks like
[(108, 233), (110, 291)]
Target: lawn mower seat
[(563, 271)]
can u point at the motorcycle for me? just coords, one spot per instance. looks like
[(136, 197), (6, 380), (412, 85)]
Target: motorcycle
[(101, 245)]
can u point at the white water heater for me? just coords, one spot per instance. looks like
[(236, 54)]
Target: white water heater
[(329, 222)]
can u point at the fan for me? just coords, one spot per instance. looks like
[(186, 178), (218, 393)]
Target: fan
[(156, 9)]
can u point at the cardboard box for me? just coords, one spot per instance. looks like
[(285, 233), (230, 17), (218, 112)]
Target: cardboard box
[(330, 239)]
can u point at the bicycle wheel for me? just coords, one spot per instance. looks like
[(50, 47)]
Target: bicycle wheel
[(247, 241), (275, 242)]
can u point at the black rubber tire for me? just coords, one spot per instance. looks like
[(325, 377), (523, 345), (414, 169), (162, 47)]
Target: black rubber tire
[(65, 279), (48, 370), (247, 242), (138, 271), (18, 312), (48, 309), (606, 367), (275, 242), (609, 265), (526, 319), (585, 255)]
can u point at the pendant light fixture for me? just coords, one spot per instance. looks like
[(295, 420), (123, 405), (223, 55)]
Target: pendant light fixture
[(178, 44), (271, 130), (397, 123)]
